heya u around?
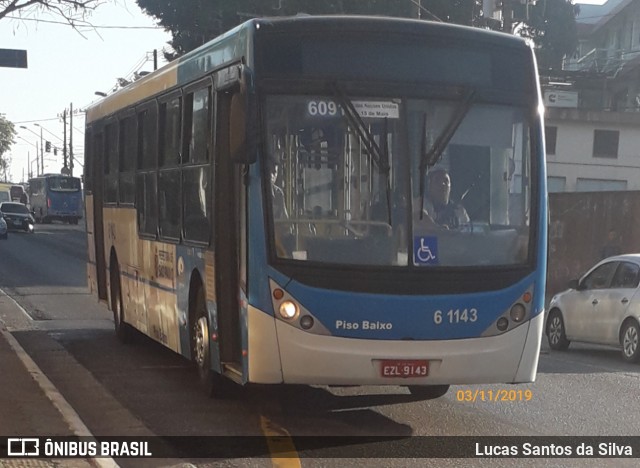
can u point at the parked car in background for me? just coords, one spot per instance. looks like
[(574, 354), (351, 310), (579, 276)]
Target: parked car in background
[(602, 307), (17, 216), (4, 230)]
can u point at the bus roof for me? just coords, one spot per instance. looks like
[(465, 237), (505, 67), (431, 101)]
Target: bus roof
[(234, 45)]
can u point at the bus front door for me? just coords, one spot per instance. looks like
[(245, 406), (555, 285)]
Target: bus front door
[(229, 209), (98, 224)]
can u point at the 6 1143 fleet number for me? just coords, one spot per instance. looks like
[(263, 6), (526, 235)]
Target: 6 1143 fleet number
[(455, 316)]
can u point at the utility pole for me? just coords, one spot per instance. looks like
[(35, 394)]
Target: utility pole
[(71, 139), (41, 152), (64, 145), (507, 16)]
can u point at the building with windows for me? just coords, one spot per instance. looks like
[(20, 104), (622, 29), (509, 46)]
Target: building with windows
[(593, 105)]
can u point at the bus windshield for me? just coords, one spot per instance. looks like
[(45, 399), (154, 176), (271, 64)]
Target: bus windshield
[(64, 184), (333, 201)]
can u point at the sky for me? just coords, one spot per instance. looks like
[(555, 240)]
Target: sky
[(65, 69)]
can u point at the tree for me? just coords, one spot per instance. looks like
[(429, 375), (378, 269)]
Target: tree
[(466, 12), (195, 22), (72, 11), (7, 133), (551, 24)]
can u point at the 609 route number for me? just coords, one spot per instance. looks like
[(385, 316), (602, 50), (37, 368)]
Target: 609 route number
[(455, 316), (322, 108)]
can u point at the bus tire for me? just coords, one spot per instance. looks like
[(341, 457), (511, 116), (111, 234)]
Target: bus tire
[(124, 332), (212, 384), (428, 392)]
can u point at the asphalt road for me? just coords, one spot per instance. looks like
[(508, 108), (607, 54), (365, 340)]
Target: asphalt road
[(143, 389)]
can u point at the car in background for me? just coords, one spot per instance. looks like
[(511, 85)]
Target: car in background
[(602, 307), (4, 230), (19, 194), (17, 216), (5, 195)]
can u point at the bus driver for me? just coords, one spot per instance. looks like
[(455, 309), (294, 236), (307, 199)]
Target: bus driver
[(439, 210)]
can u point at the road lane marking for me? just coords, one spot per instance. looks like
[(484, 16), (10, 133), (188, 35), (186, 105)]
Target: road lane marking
[(280, 443), (64, 408)]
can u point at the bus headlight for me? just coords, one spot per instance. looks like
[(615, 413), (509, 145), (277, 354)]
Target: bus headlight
[(518, 313), (288, 310), (306, 322), (502, 324)]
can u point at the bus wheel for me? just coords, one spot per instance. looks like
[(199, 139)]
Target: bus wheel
[(213, 384), (428, 392), (124, 331)]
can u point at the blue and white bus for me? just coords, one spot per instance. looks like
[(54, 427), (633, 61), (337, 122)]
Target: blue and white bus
[(56, 197), (260, 205)]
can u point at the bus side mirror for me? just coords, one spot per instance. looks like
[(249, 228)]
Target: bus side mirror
[(242, 121)]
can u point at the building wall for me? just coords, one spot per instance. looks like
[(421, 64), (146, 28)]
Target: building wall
[(578, 230), (573, 158)]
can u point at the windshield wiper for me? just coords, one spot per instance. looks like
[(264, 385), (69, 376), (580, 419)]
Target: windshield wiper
[(379, 154), (431, 157)]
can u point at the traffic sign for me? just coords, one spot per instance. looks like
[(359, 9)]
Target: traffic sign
[(13, 58)]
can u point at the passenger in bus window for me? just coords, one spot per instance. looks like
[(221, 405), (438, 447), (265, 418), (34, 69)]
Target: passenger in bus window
[(439, 210), (283, 231), (277, 194)]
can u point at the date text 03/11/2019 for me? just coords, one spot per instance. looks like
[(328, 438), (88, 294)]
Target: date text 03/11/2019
[(471, 396)]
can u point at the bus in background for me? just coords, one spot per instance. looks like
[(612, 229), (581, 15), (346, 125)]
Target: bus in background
[(56, 197), (258, 205)]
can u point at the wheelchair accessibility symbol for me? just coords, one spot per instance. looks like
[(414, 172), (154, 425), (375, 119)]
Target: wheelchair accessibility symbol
[(425, 250)]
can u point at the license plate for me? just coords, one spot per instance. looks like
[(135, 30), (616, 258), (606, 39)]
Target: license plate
[(404, 368), (17, 223)]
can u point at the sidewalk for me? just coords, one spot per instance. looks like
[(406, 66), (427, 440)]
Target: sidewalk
[(25, 408)]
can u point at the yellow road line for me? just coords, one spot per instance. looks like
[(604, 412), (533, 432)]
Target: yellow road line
[(280, 445)]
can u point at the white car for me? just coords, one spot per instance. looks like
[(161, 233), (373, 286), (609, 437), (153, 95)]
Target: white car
[(602, 307), (4, 230)]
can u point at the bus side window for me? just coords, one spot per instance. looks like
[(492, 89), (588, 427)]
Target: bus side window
[(197, 193)]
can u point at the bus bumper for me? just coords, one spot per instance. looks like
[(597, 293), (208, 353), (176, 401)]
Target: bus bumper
[(307, 358)]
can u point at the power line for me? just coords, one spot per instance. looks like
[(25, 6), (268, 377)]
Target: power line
[(88, 25), (420, 7), (38, 120)]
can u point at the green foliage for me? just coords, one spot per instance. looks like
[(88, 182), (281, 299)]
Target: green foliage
[(195, 22), (551, 24), (465, 12), (552, 27), (7, 133)]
